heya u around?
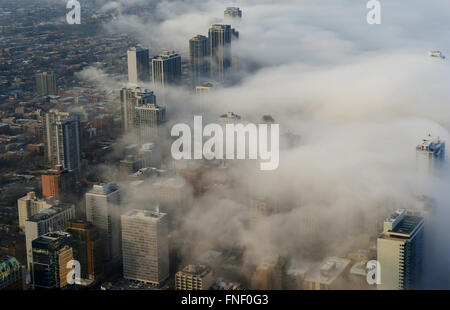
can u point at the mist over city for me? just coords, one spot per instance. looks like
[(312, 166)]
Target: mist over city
[(90, 176)]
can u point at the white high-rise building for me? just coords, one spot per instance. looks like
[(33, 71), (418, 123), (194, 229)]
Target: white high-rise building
[(138, 65), (145, 246), (47, 220), (103, 210), (29, 205), (400, 251)]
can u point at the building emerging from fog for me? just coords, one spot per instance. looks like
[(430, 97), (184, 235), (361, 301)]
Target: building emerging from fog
[(166, 69), (233, 12), (129, 99), (329, 275), (145, 246), (45, 84), (220, 50), (199, 57), (148, 119), (62, 140), (194, 277), (51, 253), (430, 154), (400, 251), (138, 65), (103, 210)]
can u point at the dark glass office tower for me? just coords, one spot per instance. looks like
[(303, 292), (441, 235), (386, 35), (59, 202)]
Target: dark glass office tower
[(51, 253)]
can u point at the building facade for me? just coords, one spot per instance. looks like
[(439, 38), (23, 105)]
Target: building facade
[(194, 277), (199, 58), (88, 248), (103, 210), (12, 274), (54, 218), (166, 69), (57, 183), (400, 252), (130, 98), (145, 246), (45, 84), (220, 50), (138, 65), (51, 254), (62, 140), (29, 205)]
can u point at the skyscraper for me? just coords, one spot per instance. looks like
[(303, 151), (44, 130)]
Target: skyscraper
[(130, 98), (145, 246), (62, 140), (233, 12), (88, 248), (194, 277), (166, 69), (199, 57), (148, 118), (103, 210), (54, 218), (400, 251), (220, 50), (430, 154), (51, 253), (45, 84), (138, 65)]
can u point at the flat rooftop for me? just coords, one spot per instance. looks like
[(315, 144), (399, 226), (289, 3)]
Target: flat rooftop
[(145, 214), (48, 213)]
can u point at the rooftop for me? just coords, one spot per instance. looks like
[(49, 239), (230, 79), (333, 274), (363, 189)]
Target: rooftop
[(145, 214), (197, 270), (48, 213)]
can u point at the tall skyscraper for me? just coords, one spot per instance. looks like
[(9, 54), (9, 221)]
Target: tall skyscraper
[(400, 251), (148, 118), (88, 248), (45, 84), (130, 98), (430, 154), (145, 246), (54, 218), (57, 183), (220, 50), (103, 210), (62, 140), (199, 57), (51, 253), (233, 12), (166, 69), (194, 277), (29, 205), (138, 65)]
